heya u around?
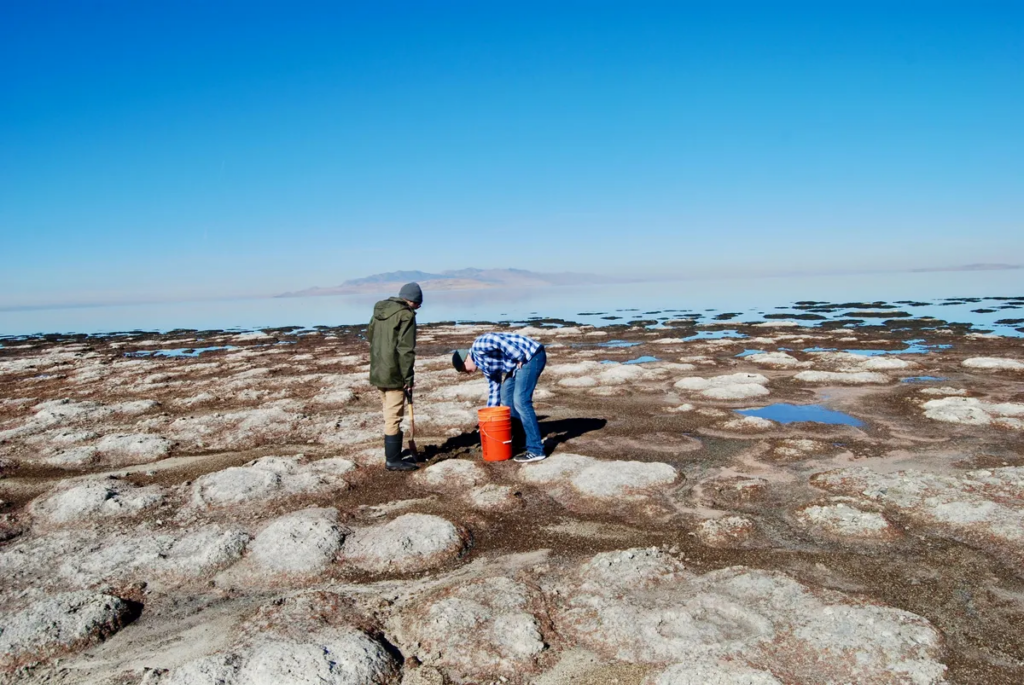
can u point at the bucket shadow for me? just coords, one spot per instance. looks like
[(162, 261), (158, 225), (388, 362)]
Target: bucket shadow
[(554, 434)]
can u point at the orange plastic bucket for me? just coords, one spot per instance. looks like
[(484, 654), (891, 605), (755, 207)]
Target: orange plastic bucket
[(496, 433)]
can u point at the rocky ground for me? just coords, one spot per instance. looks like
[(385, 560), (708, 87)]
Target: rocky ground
[(211, 507)]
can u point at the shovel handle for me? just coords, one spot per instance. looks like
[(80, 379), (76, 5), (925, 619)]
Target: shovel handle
[(412, 415)]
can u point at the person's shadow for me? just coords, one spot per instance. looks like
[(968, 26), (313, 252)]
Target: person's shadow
[(562, 430), (554, 433)]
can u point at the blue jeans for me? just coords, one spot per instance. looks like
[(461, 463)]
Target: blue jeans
[(517, 394)]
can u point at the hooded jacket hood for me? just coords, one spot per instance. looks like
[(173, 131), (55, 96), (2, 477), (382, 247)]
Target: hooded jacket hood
[(385, 309)]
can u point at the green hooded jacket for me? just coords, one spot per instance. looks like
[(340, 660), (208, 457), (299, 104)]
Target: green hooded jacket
[(392, 337)]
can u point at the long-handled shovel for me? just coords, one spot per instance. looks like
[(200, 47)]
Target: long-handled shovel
[(412, 427)]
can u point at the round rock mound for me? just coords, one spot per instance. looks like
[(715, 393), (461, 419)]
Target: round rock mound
[(409, 543)]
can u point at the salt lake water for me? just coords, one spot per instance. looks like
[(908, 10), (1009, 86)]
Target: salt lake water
[(749, 299)]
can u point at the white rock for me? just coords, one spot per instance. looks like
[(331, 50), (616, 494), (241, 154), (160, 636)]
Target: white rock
[(966, 410), (993, 364), (83, 502), (842, 377), (338, 655), (452, 475), (728, 531), (621, 479), (126, 449), (749, 423), (727, 387), (843, 521), (977, 507), (481, 630), (59, 624), (640, 606), (944, 391), (493, 497), (409, 543), (267, 478), (302, 542), (886, 364), (775, 360)]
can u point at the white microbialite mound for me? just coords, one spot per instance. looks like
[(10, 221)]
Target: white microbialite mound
[(993, 364), (974, 412), (984, 507), (736, 386)]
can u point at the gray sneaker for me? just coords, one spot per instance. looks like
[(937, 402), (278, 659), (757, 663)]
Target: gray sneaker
[(529, 457)]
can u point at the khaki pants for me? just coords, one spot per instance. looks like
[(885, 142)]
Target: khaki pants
[(394, 410)]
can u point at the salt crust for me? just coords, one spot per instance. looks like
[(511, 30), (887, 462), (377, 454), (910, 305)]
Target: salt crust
[(493, 497), (642, 606), (734, 386), (843, 521), (993, 364), (599, 479), (842, 377), (82, 502), (291, 653), (269, 477), (981, 507), (409, 543), (944, 391), (796, 448), (453, 475), (749, 423), (974, 412), (483, 629), (302, 542), (728, 531), (59, 624), (776, 360), (88, 558)]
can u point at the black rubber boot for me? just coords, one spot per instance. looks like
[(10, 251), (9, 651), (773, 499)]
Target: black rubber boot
[(393, 454)]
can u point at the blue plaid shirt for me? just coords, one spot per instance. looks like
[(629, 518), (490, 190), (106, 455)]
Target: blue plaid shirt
[(498, 355)]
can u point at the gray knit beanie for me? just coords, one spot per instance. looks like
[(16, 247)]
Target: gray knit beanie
[(411, 292)]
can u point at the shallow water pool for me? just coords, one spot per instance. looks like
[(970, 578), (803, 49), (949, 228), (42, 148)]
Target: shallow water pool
[(715, 335), (793, 413), (179, 352)]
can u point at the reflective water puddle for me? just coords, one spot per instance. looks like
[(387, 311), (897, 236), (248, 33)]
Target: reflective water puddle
[(715, 335), (646, 359), (921, 379), (179, 352), (618, 343), (747, 353), (793, 413)]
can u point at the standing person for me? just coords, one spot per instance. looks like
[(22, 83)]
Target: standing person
[(512, 363), (392, 338)]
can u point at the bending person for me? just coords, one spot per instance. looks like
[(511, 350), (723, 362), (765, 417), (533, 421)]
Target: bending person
[(512, 363)]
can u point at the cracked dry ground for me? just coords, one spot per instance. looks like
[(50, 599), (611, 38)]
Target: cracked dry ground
[(226, 518)]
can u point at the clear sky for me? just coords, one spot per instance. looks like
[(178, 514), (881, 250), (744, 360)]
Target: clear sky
[(174, 148)]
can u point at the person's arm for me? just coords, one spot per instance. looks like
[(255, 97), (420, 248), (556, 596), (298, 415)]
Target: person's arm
[(493, 392), (406, 348), (369, 330)]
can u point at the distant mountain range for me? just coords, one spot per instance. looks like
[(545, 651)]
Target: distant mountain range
[(460, 279)]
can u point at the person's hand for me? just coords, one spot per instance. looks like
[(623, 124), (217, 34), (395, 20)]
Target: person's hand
[(519, 365)]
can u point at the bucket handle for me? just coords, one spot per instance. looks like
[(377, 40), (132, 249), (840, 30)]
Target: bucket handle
[(484, 431)]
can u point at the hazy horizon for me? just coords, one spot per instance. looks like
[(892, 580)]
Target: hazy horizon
[(167, 150)]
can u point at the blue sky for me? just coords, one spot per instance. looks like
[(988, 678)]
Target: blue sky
[(176, 149)]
